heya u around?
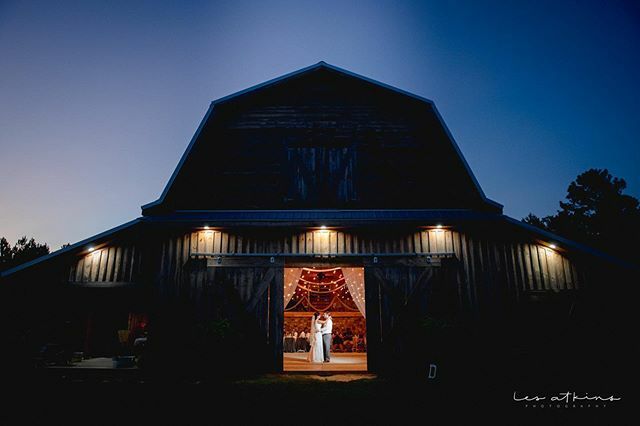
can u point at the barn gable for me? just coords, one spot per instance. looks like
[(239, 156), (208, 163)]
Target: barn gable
[(322, 137)]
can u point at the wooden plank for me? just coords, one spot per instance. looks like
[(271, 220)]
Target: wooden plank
[(216, 244), (574, 277), (551, 260), (194, 242), (391, 245), (340, 242), (320, 242), (374, 325), (567, 273), (102, 266), (500, 280), (408, 242), (521, 266), (224, 242), (88, 261), (528, 261), (465, 259), (332, 242), (460, 273), (208, 242), (95, 264), (276, 319), (516, 273), (183, 257), (544, 270), (417, 243), (202, 246), (133, 264), (111, 264), (240, 244), (310, 247), (448, 241), (72, 272), (473, 274), (562, 282), (79, 269), (125, 263), (424, 237), (440, 236), (178, 262), (117, 267)]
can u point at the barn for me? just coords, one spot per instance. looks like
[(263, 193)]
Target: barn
[(321, 190)]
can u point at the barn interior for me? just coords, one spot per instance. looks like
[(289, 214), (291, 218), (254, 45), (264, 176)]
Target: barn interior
[(338, 290)]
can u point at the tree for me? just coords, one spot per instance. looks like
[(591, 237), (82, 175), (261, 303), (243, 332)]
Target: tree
[(23, 251), (597, 213), (5, 253)]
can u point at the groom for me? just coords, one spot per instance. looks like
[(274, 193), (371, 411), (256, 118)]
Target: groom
[(326, 336)]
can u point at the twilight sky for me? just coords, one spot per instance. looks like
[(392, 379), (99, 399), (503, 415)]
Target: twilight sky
[(98, 100)]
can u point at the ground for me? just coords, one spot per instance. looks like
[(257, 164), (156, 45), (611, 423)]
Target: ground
[(304, 399)]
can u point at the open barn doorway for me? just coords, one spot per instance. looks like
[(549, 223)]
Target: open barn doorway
[(335, 293)]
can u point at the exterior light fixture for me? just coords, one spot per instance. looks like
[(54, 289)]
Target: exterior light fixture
[(206, 227), (553, 246), (323, 227), (90, 249), (439, 226)]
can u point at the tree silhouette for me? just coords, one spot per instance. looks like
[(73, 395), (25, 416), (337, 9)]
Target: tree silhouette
[(23, 251), (597, 213)]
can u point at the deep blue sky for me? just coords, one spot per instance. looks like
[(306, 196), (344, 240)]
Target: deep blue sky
[(98, 100)]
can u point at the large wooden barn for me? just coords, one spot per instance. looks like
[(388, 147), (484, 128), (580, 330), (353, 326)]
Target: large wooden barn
[(318, 170)]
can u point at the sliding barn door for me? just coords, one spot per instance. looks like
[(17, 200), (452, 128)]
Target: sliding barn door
[(402, 299), (244, 298)]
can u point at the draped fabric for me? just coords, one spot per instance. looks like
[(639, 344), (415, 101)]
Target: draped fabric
[(291, 276), (354, 278)]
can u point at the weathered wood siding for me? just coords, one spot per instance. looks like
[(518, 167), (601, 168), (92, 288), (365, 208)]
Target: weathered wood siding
[(119, 263), (488, 269)]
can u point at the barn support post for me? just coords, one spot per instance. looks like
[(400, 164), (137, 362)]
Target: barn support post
[(276, 317)]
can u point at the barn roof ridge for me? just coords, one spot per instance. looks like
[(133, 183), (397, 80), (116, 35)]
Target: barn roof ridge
[(314, 67), (296, 73)]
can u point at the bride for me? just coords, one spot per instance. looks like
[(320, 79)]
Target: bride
[(315, 353)]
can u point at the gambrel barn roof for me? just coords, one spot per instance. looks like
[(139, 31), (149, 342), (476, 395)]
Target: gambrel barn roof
[(265, 147)]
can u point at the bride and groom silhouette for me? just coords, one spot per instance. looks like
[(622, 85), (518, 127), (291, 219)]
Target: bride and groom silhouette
[(321, 327)]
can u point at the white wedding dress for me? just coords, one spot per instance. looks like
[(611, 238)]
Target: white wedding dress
[(315, 353)]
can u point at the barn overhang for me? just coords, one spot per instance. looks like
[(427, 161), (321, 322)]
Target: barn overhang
[(144, 228)]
